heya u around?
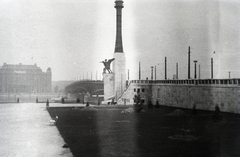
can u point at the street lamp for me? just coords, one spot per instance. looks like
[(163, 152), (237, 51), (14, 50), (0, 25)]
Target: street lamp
[(151, 72), (139, 71), (177, 71), (195, 73), (165, 68), (211, 68), (155, 72), (199, 72)]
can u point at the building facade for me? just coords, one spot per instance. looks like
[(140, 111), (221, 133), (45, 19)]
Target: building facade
[(24, 79)]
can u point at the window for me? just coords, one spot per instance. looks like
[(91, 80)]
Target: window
[(134, 89), (143, 90), (138, 90)]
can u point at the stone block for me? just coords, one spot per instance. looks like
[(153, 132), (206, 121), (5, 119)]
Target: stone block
[(108, 79)]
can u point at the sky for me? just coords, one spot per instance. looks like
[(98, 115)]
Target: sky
[(74, 36)]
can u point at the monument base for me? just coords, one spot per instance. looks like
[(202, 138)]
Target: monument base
[(108, 81)]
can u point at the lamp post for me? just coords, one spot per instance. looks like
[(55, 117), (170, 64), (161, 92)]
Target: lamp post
[(139, 71), (189, 62), (211, 68), (155, 72), (165, 68), (199, 72), (195, 71), (151, 72), (177, 71)]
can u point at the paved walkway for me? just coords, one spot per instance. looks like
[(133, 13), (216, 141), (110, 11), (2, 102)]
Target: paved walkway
[(25, 131)]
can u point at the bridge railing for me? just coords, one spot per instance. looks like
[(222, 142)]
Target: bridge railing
[(234, 81)]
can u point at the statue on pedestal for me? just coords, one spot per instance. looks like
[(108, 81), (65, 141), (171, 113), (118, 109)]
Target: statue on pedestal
[(107, 64)]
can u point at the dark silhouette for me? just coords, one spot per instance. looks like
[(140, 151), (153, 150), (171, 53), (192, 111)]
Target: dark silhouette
[(47, 103), (78, 100), (150, 105), (216, 117), (65, 146), (87, 104), (37, 100), (194, 110), (107, 64), (99, 102), (18, 100), (112, 102), (157, 104), (62, 100)]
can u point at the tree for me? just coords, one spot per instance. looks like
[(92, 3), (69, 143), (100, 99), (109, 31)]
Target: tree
[(137, 106)]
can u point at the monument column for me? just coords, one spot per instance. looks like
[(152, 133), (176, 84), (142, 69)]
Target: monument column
[(119, 64)]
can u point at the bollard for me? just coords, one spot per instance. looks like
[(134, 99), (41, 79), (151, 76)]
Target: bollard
[(47, 103)]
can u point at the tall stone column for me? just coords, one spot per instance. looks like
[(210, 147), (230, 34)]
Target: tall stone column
[(119, 69), (119, 64)]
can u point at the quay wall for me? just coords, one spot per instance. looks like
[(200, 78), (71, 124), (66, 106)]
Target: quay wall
[(203, 96), (24, 97)]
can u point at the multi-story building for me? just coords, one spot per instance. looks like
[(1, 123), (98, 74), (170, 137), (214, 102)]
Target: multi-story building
[(24, 79)]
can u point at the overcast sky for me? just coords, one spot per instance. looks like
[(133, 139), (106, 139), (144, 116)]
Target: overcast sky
[(73, 36)]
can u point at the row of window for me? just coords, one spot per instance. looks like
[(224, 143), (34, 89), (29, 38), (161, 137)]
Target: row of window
[(138, 90), (24, 90), (197, 81), (9, 79)]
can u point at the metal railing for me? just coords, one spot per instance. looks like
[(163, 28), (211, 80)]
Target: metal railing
[(234, 81)]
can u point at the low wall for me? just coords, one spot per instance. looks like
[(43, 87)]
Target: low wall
[(205, 97), (42, 97)]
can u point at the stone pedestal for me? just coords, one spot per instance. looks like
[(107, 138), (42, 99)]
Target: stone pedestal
[(108, 80)]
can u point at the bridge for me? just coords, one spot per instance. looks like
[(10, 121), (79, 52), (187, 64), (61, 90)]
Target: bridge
[(87, 86)]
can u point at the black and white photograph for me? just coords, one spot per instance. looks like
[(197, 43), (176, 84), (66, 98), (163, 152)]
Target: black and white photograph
[(119, 78)]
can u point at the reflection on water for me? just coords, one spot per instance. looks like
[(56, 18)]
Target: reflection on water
[(117, 133), (146, 134)]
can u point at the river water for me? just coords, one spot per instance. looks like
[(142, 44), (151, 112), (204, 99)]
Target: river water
[(25, 131)]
